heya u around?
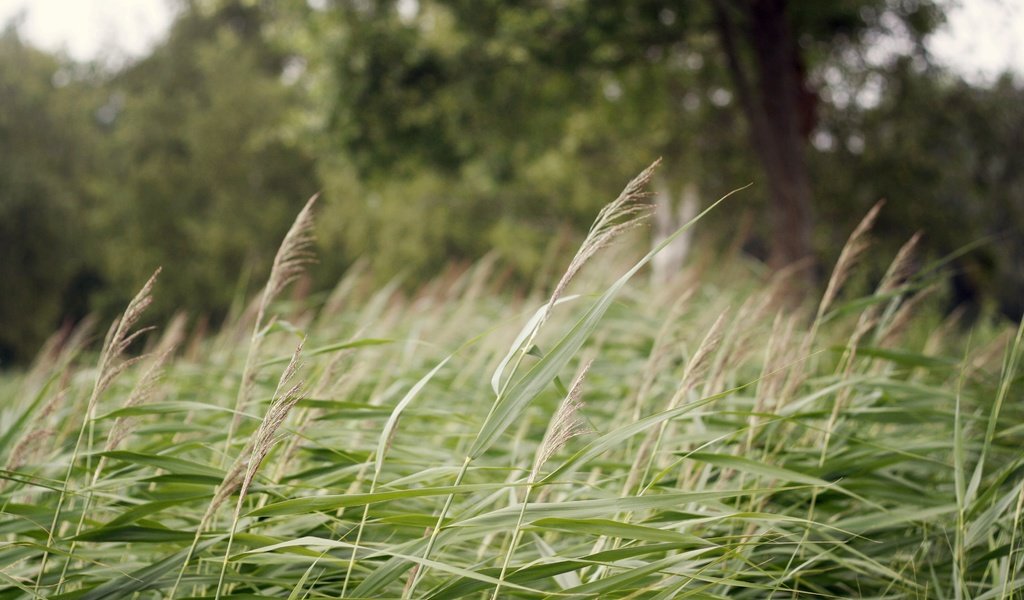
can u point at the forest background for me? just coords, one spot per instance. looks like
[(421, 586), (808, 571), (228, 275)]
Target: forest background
[(440, 131)]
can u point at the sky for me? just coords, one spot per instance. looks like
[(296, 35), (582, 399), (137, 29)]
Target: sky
[(981, 39), (111, 30)]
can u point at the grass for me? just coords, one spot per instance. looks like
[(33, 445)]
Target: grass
[(713, 441)]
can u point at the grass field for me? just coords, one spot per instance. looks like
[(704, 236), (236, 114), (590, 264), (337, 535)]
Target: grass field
[(612, 440)]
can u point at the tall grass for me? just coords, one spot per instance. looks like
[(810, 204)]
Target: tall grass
[(712, 442)]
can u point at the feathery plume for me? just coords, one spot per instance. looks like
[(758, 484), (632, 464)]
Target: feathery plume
[(695, 368), (140, 394), (698, 364), (660, 351), (262, 441), (622, 214), (56, 353), (902, 267), (850, 254), (898, 324), (265, 438), (259, 446), (119, 337), (292, 256), (896, 275), (38, 431), (566, 424), (243, 471), (778, 352), (25, 447)]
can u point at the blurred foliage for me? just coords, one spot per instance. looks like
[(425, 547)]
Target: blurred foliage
[(195, 147), (47, 155), (442, 130), (947, 158)]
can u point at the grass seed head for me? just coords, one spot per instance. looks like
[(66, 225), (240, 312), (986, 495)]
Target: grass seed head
[(567, 423), (855, 246), (265, 437), (140, 394), (119, 337), (294, 253), (627, 211)]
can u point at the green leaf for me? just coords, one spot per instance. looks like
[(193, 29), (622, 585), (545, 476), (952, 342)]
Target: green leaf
[(394, 567), (904, 358), (135, 533), (584, 509), (172, 464), (615, 438), (524, 333), (143, 510), (315, 542), (31, 409), (464, 587), (299, 506), (875, 521), (757, 468), (365, 342), (162, 408), (392, 422), (137, 581), (616, 529), (632, 576)]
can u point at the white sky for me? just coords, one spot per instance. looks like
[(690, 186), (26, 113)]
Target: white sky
[(110, 30), (982, 38)]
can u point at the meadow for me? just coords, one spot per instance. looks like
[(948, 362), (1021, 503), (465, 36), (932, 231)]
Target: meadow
[(607, 439)]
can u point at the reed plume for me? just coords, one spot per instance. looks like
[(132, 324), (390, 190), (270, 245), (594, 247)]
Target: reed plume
[(111, 364), (292, 257), (627, 211), (854, 248), (119, 337), (261, 443), (566, 424), (240, 475)]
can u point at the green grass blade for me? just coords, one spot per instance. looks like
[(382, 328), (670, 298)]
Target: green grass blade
[(315, 542), (747, 465), (362, 343), (389, 427), (524, 333), (615, 438), (588, 509), (171, 464), (616, 529), (300, 506), (142, 579)]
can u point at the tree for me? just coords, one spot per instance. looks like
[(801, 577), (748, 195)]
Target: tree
[(488, 88), (777, 96), (780, 112), (46, 158), (946, 156), (201, 178)]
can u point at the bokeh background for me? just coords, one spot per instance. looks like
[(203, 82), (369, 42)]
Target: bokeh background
[(441, 131)]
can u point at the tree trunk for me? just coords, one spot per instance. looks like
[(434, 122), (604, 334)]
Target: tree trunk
[(671, 213), (779, 111)]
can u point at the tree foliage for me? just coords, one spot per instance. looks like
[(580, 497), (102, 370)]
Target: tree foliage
[(46, 159), (442, 130), (198, 153)]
